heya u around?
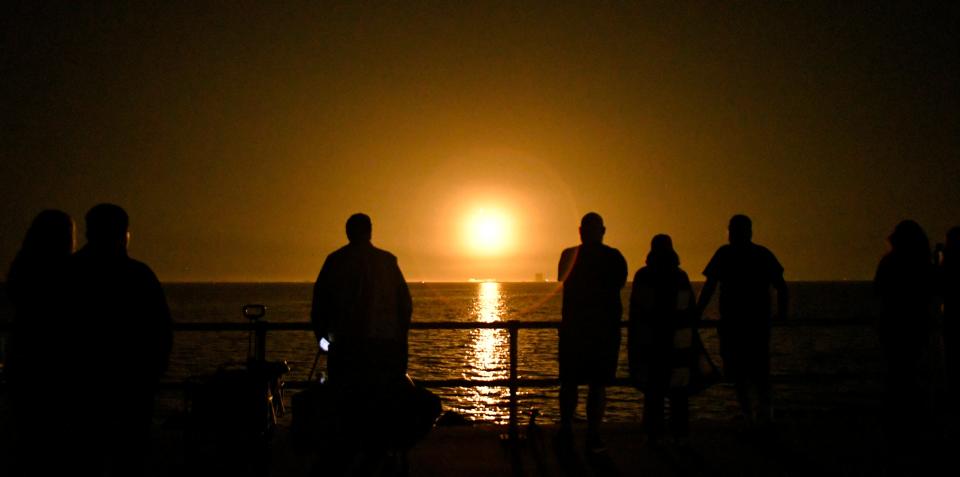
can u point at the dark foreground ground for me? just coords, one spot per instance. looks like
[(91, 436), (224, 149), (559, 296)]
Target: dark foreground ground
[(840, 443), (836, 442)]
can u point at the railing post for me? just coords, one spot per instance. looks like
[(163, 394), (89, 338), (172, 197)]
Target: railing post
[(514, 332), (260, 341)]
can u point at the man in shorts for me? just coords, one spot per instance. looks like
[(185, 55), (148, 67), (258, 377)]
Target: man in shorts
[(745, 273), (592, 275)]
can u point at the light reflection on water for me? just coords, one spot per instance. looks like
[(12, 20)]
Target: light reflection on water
[(487, 355)]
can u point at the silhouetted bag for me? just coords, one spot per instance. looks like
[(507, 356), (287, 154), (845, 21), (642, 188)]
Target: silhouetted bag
[(397, 415), (414, 415), (312, 418), (691, 369), (704, 373), (232, 402)]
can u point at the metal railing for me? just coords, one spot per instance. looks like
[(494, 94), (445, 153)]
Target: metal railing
[(513, 382)]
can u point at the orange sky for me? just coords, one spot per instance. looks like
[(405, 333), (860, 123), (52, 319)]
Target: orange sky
[(240, 139)]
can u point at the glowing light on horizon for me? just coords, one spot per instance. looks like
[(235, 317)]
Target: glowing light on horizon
[(488, 231)]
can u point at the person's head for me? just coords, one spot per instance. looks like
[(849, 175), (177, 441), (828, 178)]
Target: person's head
[(359, 228), (740, 229), (662, 253), (51, 234), (591, 228), (909, 240), (107, 227)]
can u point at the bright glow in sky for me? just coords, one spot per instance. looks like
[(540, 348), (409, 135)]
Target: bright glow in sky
[(477, 134), (488, 231)]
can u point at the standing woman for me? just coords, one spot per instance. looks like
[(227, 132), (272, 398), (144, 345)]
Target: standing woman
[(663, 344), (906, 282), (950, 271), (33, 285)]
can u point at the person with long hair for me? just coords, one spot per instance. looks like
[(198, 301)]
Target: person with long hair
[(906, 283), (661, 340), (950, 273), (34, 283)]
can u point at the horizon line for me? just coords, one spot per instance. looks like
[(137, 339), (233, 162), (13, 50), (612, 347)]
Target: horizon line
[(461, 281)]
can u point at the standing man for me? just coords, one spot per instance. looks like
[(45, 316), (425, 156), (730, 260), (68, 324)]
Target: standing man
[(745, 273), (592, 275), (362, 307), (119, 327)]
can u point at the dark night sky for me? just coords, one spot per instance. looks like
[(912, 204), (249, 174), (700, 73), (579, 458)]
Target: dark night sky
[(239, 136)]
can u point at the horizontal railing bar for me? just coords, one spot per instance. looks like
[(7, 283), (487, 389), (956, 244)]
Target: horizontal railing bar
[(428, 383), (501, 325), (548, 382)]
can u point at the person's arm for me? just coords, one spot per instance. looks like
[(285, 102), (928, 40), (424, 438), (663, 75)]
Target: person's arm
[(166, 333), (319, 311), (404, 301), (686, 288), (636, 314), (780, 285), (622, 271), (714, 271), (783, 298), (161, 324), (706, 293), (566, 264)]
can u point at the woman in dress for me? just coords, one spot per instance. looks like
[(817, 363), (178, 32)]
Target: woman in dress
[(907, 285), (665, 352)]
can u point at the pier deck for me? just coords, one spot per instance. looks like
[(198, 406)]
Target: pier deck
[(837, 442), (825, 444)]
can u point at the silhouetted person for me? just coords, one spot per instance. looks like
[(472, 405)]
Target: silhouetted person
[(906, 282), (362, 305), (35, 356), (592, 275), (663, 354), (745, 273), (950, 272), (121, 332)]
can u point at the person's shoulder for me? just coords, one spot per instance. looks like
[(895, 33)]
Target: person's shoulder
[(886, 263), (338, 255), (138, 265), (761, 249), (765, 254), (646, 274), (141, 269), (611, 250), (613, 254), (79, 256), (340, 251), (724, 249), (383, 254), (719, 262), (569, 255), (723, 253), (82, 261)]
